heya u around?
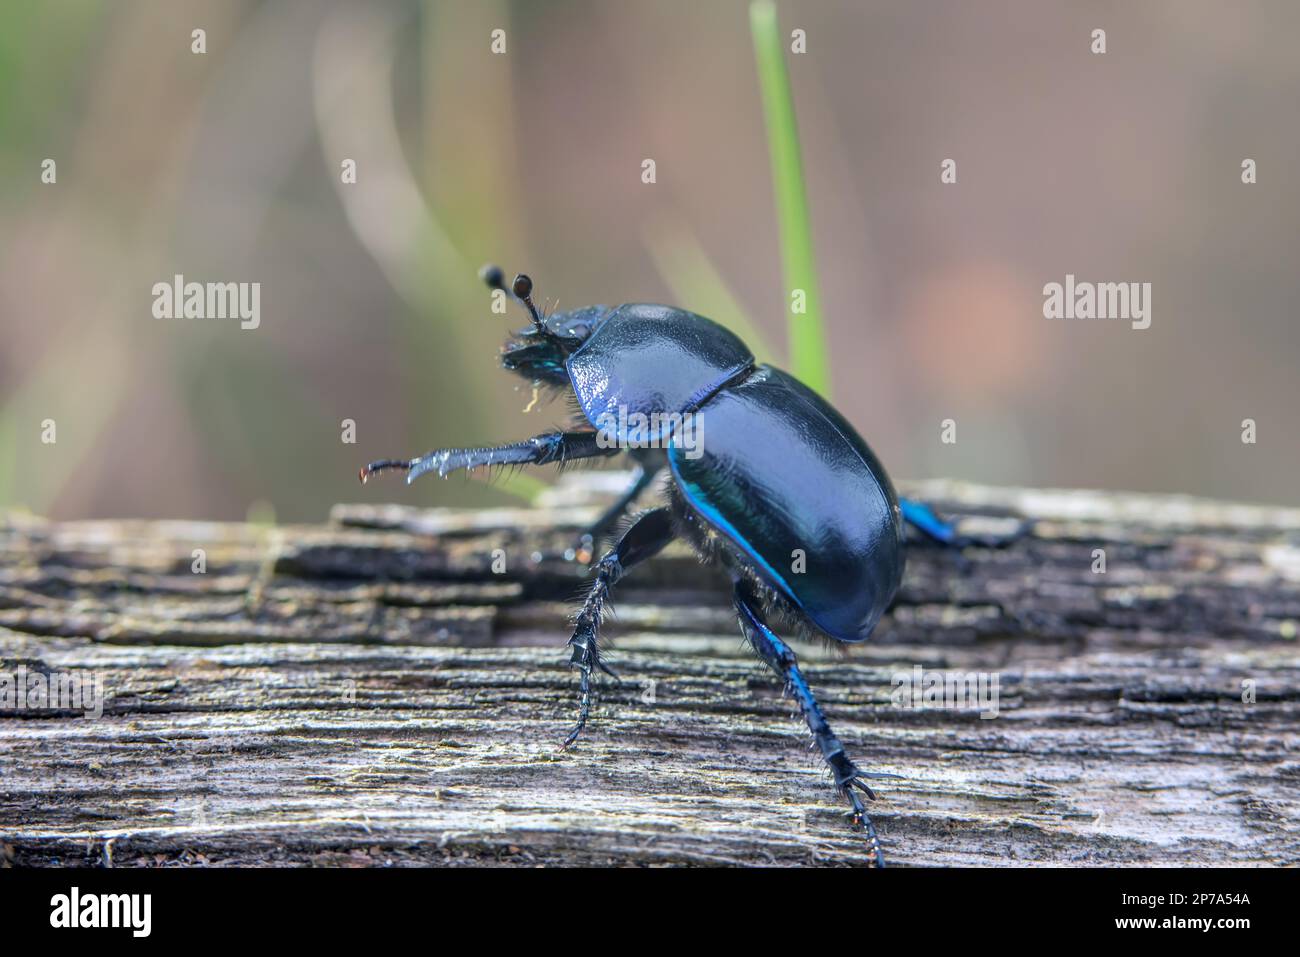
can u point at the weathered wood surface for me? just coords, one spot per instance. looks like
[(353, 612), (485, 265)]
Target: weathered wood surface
[(370, 692)]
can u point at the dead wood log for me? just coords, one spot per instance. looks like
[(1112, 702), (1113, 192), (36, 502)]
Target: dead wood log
[(373, 691)]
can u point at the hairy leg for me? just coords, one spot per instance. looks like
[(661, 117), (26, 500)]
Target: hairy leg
[(849, 779), (645, 538), (539, 450)]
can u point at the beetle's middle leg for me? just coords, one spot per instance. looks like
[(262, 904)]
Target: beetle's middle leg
[(646, 538), (849, 778)]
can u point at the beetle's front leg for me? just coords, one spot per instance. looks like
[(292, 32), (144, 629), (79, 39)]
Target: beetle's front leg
[(539, 450), (645, 538), (849, 778)]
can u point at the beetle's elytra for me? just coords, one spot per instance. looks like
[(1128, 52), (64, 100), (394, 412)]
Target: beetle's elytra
[(780, 476)]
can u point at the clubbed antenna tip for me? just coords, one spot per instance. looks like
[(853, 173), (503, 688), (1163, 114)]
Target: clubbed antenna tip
[(493, 276), (521, 289)]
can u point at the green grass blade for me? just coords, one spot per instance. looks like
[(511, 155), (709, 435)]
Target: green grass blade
[(521, 485), (809, 355)]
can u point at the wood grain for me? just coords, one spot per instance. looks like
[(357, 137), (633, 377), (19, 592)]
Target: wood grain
[(370, 692)]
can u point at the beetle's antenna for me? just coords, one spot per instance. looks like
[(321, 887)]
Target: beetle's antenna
[(494, 277), (521, 291), (524, 293)]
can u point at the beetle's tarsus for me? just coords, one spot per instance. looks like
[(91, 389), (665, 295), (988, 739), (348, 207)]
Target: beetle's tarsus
[(383, 465), (861, 822), (858, 812), (584, 707)]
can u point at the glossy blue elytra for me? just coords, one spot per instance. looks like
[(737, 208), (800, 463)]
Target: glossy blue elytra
[(774, 485)]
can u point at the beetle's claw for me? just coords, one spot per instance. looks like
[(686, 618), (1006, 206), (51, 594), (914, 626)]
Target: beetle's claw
[(861, 785), (857, 778)]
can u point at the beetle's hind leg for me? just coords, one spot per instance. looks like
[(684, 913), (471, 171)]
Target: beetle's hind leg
[(645, 538), (925, 520), (849, 778)]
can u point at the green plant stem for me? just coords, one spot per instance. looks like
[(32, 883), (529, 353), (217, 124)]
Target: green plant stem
[(809, 356)]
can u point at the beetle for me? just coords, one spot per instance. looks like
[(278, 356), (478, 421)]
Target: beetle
[(781, 474)]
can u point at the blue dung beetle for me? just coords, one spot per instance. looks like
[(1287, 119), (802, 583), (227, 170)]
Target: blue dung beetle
[(777, 474)]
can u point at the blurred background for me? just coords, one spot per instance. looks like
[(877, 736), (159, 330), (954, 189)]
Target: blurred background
[(226, 166)]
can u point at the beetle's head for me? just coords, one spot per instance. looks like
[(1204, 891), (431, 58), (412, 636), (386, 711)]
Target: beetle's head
[(538, 351)]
